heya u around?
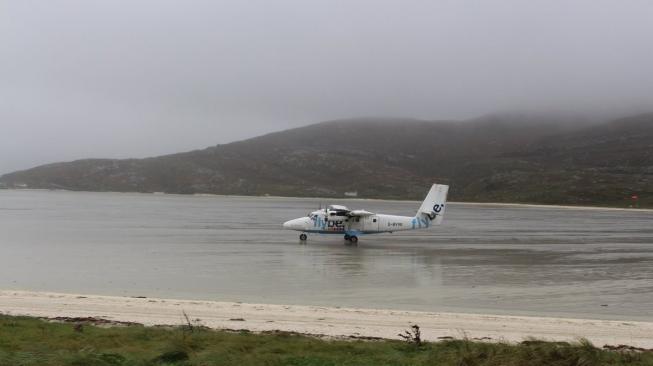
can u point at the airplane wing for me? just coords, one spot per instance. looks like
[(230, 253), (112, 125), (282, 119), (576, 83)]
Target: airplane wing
[(359, 213)]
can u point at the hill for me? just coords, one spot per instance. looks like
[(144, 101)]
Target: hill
[(504, 158)]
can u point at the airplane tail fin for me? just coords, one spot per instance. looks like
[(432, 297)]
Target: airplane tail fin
[(434, 204)]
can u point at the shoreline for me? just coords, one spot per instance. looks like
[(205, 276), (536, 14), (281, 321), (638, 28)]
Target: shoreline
[(332, 322), (334, 199)]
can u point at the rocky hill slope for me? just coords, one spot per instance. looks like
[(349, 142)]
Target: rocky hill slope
[(505, 158)]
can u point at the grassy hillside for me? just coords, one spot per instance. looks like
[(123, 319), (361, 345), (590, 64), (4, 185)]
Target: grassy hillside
[(29, 341), (505, 158)]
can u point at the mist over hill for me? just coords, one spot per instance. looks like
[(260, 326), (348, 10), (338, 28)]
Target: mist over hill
[(497, 158)]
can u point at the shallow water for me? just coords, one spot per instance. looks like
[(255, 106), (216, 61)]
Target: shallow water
[(589, 263)]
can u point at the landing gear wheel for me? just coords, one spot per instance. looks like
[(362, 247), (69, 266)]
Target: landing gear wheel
[(347, 237), (303, 237), (353, 239)]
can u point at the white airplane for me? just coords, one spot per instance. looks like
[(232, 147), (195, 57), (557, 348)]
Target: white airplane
[(337, 219)]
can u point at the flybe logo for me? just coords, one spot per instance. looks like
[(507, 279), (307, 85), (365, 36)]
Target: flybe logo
[(319, 222), (336, 225), (331, 225), (424, 222)]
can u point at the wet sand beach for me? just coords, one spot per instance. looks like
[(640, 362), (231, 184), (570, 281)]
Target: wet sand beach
[(326, 321)]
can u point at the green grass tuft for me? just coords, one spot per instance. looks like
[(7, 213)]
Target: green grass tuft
[(29, 341)]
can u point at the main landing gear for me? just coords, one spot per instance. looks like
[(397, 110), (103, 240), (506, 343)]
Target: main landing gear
[(351, 238), (302, 237)]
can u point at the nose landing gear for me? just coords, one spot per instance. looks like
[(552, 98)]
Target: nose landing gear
[(302, 237)]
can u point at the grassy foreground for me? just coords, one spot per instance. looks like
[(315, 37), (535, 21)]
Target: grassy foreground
[(30, 341)]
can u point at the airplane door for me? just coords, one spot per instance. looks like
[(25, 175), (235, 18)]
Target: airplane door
[(355, 224), (371, 223)]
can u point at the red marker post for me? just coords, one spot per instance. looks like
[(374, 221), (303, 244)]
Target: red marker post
[(635, 199)]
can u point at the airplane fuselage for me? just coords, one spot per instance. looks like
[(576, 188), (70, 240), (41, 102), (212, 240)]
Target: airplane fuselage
[(318, 222), (337, 219)]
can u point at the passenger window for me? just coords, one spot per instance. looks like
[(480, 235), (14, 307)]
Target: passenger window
[(373, 220)]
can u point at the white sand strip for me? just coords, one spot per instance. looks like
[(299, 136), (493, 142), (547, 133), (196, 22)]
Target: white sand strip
[(336, 322)]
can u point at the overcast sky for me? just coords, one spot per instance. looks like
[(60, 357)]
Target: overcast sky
[(139, 78)]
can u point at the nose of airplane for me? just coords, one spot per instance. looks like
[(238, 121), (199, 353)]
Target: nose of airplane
[(296, 224)]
